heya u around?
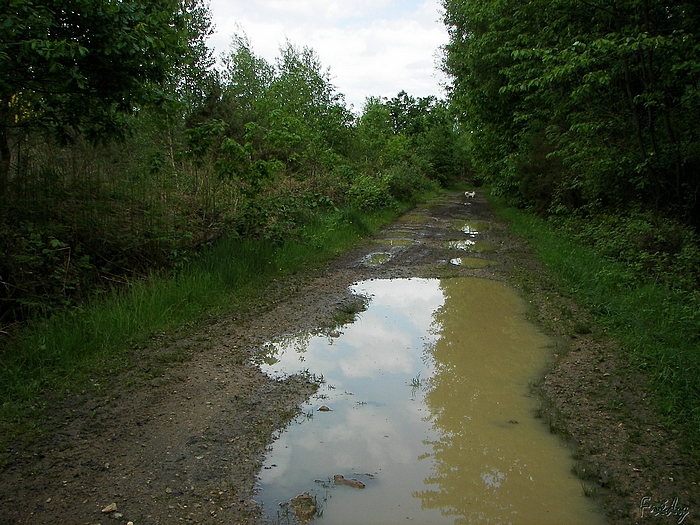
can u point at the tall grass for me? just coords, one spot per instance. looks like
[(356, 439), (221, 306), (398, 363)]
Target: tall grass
[(658, 325), (60, 353)]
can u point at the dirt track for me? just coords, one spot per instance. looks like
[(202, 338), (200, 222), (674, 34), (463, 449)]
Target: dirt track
[(180, 438)]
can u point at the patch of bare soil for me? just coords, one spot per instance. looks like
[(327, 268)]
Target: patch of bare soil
[(180, 438)]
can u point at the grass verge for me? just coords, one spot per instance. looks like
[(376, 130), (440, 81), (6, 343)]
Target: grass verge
[(657, 325), (61, 353)]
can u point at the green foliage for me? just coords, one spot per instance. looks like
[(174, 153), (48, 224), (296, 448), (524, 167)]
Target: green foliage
[(369, 192), (80, 66), (143, 189), (651, 248), (193, 77), (407, 183), (46, 272), (200, 139), (586, 112), (595, 103), (373, 132)]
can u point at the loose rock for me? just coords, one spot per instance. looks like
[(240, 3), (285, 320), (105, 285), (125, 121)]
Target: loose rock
[(339, 479), (304, 507)]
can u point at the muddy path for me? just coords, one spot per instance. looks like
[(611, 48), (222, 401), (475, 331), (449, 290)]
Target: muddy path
[(180, 438)]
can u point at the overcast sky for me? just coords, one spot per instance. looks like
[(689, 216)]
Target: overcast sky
[(373, 47)]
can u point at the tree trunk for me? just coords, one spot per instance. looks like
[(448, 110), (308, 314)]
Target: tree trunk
[(672, 136), (635, 117), (5, 150)]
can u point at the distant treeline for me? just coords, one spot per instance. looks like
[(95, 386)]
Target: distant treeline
[(124, 147)]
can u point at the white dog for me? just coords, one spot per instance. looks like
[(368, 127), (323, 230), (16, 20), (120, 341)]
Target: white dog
[(470, 194)]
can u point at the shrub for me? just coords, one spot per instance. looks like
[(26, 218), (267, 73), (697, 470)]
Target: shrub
[(406, 182), (653, 248), (369, 193)]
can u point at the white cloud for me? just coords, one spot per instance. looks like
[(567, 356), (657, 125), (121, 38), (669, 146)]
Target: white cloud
[(373, 47)]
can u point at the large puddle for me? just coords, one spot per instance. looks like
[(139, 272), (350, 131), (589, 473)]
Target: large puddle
[(426, 402)]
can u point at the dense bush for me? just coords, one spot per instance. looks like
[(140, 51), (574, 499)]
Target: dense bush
[(369, 192), (653, 249), (406, 182)]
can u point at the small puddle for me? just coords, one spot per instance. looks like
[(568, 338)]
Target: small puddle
[(471, 228), (473, 263), (395, 242), (376, 259), (471, 245), (417, 218), (426, 403)]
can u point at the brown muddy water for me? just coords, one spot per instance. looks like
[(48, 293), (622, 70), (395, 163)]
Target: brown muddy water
[(426, 402)]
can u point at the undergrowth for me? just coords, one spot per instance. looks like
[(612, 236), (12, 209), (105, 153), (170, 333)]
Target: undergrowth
[(62, 352), (645, 297)]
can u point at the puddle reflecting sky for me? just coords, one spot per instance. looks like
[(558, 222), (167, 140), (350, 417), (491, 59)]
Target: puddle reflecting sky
[(428, 392)]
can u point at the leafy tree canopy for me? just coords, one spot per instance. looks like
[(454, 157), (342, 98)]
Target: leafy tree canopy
[(81, 64), (581, 104)]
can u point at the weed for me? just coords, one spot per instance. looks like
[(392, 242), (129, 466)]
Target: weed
[(585, 471), (588, 490), (566, 312), (539, 412), (348, 312), (556, 426), (416, 382)]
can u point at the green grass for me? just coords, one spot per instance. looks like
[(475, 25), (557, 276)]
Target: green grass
[(61, 354), (657, 325)]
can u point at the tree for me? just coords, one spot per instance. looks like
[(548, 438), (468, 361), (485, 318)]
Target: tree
[(593, 101), (307, 117), (79, 66), (193, 77), (374, 130), (245, 78)]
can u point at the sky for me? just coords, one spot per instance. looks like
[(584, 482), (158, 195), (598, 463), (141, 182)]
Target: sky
[(372, 47)]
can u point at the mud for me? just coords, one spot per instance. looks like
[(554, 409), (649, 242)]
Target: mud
[(180, 437)]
